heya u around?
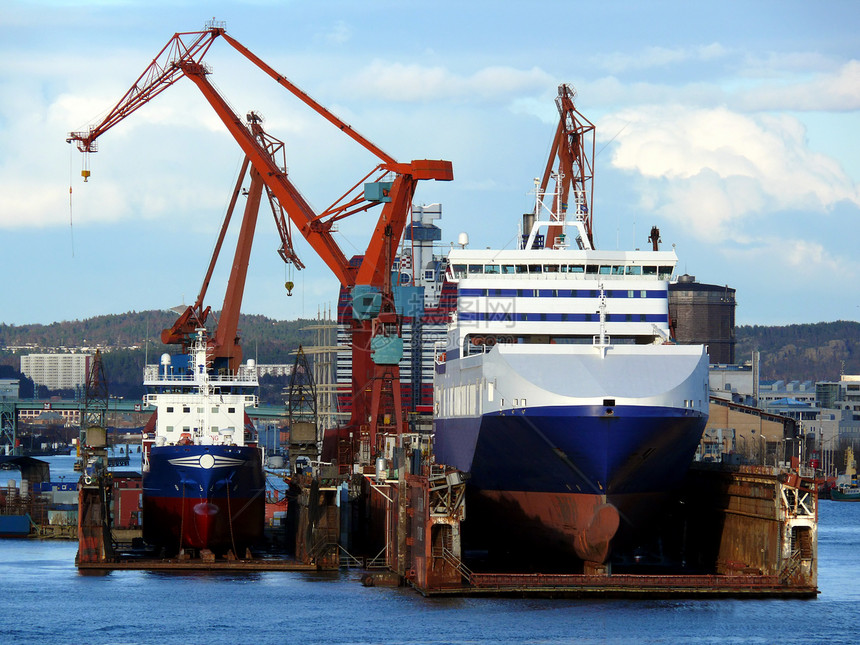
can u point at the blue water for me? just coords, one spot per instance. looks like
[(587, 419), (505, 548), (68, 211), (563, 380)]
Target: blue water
[(45, 600)]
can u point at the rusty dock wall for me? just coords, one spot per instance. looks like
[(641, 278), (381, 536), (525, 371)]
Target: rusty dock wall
[(757, 520)]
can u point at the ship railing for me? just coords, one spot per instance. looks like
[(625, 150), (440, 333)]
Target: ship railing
[(321, 549), (449, 557), (244, 375), (379, 561), (791, 565), (348, 560)]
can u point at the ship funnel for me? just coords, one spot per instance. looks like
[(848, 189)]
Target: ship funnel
[(528, 223)]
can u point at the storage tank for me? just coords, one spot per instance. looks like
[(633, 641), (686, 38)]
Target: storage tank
[(704, 314)]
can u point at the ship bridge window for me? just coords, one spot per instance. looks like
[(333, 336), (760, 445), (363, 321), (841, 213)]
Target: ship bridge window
[(634, 270), (573, 268), (649, 270), (491, 268), (476, 268), (507, 269), (605, 270), (591, 269), (459, 270), (522, 268), (617, 270), (550, 268), (666, 272), (535, 268)]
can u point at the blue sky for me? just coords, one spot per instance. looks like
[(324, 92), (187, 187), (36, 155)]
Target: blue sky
[(733, 126)]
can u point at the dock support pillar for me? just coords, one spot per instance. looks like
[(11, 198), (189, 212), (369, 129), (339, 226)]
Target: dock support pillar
[(94, 523)]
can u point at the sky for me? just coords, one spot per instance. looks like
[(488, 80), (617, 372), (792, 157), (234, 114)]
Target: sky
[(733, 126)]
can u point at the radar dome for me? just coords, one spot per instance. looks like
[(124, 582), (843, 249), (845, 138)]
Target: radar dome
[(165, 359), (463, 239)]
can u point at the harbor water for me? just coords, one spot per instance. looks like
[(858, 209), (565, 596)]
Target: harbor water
[(46, 600)]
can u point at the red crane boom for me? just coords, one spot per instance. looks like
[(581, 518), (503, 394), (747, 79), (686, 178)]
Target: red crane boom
[(391, 184), (180, 58)]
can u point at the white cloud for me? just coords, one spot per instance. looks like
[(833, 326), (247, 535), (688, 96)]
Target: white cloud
[(709, 168), (339, 33), (401, 82), (805, 260), (650, 57), (836, 90)]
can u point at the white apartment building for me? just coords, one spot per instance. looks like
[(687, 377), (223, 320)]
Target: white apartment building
[(57, 371), (274, 370)]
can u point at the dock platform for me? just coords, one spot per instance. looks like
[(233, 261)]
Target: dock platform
[(622, 586), (262, 564)]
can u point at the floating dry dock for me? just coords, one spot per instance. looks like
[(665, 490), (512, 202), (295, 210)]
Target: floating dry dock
[(732, 531), (100, 547)]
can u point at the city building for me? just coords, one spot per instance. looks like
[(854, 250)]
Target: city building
[(735, 383), (57, 371), (274, 369), (819, 419), (9, 389)]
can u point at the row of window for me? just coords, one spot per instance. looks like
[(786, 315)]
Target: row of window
[(655, 271), (501, 316), (200, 410), (212, 429), (563, 293)]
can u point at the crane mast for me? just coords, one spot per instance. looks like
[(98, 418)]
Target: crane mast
[(573, 148), (390, 184)]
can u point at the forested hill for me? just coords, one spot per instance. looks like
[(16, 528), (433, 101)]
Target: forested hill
[(815, 352), (820, 351), (124, 337), (270, 340)]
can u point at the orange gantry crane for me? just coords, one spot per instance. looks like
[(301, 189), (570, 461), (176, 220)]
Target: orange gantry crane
[(390, 184)]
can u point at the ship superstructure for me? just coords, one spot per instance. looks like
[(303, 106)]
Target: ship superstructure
[(203, 481), (558, 388)]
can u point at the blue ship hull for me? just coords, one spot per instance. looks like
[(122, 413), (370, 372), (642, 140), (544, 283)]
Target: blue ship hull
[(573, 448), (204, 497), (569, 480)]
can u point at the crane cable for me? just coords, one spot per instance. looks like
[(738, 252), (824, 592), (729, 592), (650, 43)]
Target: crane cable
[(71, 227)]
